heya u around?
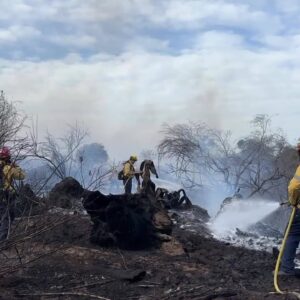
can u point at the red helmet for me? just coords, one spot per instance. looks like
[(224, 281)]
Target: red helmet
[(4, 152)]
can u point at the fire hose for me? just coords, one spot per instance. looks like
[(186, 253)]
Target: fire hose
[(287, 231)]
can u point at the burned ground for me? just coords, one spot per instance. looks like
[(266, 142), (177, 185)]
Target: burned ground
[(190, 266), (50, 255)]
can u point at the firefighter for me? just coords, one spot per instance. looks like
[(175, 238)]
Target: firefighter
[(128, 174), (287, 266), (9, 172)]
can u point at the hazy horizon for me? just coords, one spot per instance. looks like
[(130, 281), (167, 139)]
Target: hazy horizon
[(124, 68)]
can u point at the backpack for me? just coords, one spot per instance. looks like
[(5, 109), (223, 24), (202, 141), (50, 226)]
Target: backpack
[(121, 175)]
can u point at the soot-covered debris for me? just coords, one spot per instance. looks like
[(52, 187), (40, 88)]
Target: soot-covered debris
[(127, 221)]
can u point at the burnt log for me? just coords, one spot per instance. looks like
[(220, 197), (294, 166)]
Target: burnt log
[(66, 194), (126, 221), (173, 200)]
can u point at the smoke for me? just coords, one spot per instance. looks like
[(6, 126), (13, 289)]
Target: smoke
[(209, 198), (210, 105)]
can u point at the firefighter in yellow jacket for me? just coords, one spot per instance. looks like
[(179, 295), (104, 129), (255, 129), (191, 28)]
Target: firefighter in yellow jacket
[(287, 266), (128, 174), (8, 173)]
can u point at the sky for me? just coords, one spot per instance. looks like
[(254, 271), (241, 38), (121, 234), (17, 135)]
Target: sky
[(124, 67)]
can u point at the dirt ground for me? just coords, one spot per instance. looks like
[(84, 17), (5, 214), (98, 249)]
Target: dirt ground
[(190, 266)]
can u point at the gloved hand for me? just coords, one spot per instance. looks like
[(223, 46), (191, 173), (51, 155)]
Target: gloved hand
[(294, 197), (156, 176)]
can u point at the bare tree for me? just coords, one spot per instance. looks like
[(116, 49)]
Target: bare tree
[(11, 121), (12, 128), (195, 152), (68, 156), (204, 156), (257, 168), (60, 153), (99, 177)]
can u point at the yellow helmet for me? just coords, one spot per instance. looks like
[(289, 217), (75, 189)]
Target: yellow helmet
[(133, 158)]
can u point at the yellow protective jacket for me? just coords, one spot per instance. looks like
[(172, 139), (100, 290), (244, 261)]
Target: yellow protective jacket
[(11, 173), (128, 169), (294, 188)]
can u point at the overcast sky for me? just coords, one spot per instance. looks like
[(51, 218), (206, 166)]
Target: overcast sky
[(123, 67)]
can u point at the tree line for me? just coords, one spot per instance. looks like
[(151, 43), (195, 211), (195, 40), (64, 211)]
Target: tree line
[(259, 164)]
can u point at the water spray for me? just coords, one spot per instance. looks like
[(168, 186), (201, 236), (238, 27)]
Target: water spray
[(241, 214)]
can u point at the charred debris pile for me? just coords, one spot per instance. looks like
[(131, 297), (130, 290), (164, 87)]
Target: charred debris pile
[(132, 221)]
